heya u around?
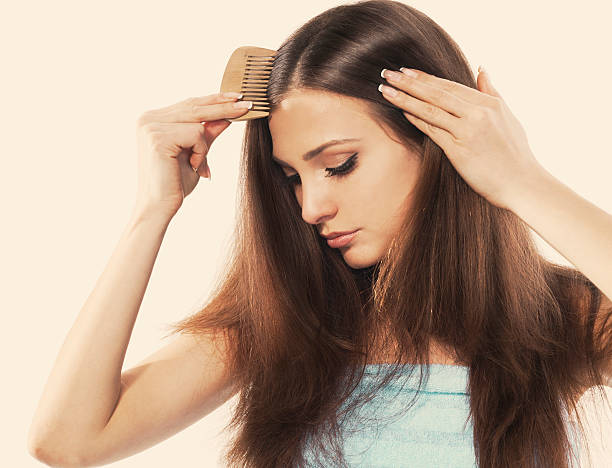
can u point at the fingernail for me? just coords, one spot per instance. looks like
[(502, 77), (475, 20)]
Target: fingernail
[(208, 176), (408, 72), (231, 94), (243, 104), (388, 90)]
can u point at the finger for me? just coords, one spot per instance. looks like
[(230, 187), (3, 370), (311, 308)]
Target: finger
[(428, 92), (198, 158), (423, 110), (202, 171), (214, 128), (484, 83), (180, 135), (197, 109), (209, 99), (200, 166), (174, 139), (193, 137), (194, 111), (467, 93), (441, 137)]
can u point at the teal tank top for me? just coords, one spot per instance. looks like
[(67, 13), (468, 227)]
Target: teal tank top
[(435, 432)]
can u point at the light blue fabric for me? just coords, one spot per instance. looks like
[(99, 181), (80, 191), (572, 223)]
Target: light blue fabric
[(435, 432)]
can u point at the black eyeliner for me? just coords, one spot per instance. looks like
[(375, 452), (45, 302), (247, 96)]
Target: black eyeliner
[(338, 171)]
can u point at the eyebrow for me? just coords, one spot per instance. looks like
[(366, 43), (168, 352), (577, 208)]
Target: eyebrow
[(318, 150)]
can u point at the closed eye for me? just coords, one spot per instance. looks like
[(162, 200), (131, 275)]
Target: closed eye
[(338, 171)]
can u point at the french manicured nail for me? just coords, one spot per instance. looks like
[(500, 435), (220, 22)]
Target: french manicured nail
[(408, 72), (231, 94), (243, 104), (391, 76), (388, 90)]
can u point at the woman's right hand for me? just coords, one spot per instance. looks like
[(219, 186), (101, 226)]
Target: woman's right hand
[(173, 143)]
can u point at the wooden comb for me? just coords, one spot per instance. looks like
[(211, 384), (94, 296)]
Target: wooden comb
[(247, 72)]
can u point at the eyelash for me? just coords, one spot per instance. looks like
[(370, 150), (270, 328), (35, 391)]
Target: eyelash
[(339, 171)]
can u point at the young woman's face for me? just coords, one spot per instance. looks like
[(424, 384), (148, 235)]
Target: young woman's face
[(372, 196)]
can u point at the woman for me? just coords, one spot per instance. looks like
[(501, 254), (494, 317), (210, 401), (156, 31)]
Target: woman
[(439, 187)]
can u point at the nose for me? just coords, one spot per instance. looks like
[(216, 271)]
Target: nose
[(317, 206)]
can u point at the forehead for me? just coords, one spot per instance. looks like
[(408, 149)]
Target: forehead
[(307, 118)]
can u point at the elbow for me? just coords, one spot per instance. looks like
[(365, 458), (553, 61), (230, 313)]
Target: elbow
[(54, 458)]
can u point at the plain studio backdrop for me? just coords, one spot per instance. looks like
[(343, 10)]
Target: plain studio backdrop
[(77, 75)]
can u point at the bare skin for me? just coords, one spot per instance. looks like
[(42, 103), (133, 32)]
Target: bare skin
[(373, 197)]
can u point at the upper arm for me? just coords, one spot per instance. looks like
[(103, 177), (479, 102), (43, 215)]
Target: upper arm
[(171, 389)]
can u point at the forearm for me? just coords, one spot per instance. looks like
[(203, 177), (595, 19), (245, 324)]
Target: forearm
[(82, 389), (576, 228)]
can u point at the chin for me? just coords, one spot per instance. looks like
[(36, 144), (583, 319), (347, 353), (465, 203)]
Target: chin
[(357, 260)]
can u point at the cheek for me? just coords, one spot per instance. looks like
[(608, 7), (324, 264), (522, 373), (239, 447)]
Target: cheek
[(390, 199), (369, 197)]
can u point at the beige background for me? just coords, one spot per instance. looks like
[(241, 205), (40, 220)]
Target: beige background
[(76, 76)]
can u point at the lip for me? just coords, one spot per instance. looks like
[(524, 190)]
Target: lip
[(341, 240), (335, 234)]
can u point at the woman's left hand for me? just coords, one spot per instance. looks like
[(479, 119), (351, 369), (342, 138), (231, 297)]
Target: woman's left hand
[(475, 128)]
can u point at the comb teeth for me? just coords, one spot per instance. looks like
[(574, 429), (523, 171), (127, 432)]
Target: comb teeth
[(255, 81), (248, 72)]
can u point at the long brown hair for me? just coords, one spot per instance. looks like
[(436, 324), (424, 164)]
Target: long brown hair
[(298, 322)]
